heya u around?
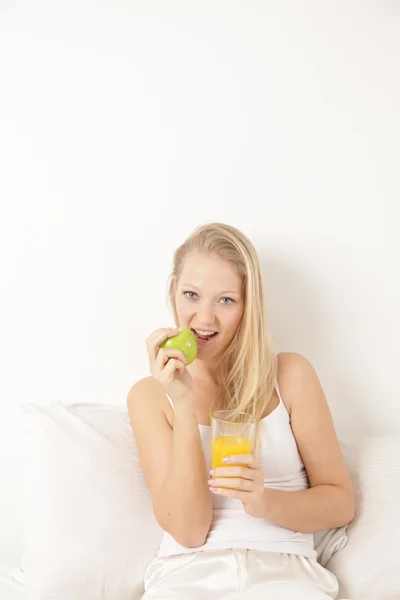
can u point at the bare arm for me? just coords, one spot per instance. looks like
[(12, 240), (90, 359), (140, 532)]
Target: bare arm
[(171, 455), (329, 502), (173, 463), (308, 511)]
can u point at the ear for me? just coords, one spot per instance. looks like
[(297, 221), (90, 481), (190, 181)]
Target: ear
[(173, 284)]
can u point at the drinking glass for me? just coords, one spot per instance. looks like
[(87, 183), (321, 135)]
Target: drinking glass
[(231, 433)]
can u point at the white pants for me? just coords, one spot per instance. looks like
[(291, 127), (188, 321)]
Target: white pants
[(238, 574)]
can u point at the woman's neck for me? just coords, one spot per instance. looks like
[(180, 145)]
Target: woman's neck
[(201, 373)]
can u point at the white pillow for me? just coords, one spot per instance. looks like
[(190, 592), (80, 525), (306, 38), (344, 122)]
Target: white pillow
[(368, 568), (89, 529)]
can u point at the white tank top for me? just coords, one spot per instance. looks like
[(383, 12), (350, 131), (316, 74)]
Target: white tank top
[(283, 469)]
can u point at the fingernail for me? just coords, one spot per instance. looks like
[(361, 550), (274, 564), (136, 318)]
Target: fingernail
[(212, 472), (227, 459), (210, 482)]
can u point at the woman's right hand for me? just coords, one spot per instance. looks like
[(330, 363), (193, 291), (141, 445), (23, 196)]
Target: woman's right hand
[(167, 365)]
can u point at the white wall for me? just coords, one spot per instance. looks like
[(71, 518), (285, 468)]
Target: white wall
[(126, 124)]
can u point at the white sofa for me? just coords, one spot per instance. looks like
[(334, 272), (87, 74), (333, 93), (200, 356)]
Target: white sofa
[(89, 531)]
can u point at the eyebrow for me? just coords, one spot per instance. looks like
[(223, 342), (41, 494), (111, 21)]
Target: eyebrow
[(189, 285)]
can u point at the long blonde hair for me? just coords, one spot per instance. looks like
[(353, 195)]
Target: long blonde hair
[(246, 372)]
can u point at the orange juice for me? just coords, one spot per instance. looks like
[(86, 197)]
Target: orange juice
[(227, 445)]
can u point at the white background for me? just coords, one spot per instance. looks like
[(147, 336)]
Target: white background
[(125, 124)]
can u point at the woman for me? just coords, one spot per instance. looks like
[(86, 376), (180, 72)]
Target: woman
[(237, 532)]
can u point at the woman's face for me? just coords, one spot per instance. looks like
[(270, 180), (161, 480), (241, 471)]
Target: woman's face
[(209, 298)]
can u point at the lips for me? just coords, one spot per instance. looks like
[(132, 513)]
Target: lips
[(204, 338)]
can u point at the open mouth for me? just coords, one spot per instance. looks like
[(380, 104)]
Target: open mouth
[(204, 338)]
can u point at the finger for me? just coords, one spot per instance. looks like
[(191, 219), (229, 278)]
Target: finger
[(158, 334), (165, 354), (240, 495), (233, 483), (154, 341), (180, 369), (158, 337), (243, 472), (243, 459), (172, 365)]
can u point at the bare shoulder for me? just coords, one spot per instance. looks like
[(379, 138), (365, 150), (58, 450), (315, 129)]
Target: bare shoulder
[(144, 392), (292, 360), (296, 377), (145, 398), (142, 386)]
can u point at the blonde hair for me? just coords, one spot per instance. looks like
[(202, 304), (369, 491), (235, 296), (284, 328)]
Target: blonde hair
[(246, 372)]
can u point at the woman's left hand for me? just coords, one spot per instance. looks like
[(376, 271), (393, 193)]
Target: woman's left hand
[(246, 483)]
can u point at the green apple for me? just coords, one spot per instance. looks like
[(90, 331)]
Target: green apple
[(186, 342)]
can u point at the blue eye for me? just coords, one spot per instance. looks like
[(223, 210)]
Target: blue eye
[(187, 294)]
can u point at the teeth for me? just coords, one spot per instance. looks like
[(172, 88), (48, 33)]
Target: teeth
[(204, 332)]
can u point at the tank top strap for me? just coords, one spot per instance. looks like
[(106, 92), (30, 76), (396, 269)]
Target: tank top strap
[(171, 403), (281, 405), (278, 391)]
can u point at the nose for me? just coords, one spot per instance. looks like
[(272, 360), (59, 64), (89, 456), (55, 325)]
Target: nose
[(206, 315)]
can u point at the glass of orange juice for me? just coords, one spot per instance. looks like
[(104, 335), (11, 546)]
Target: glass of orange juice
[(231, 433)]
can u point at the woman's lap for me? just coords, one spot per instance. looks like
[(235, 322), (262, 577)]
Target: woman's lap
[(238, 574), (281, 591)]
